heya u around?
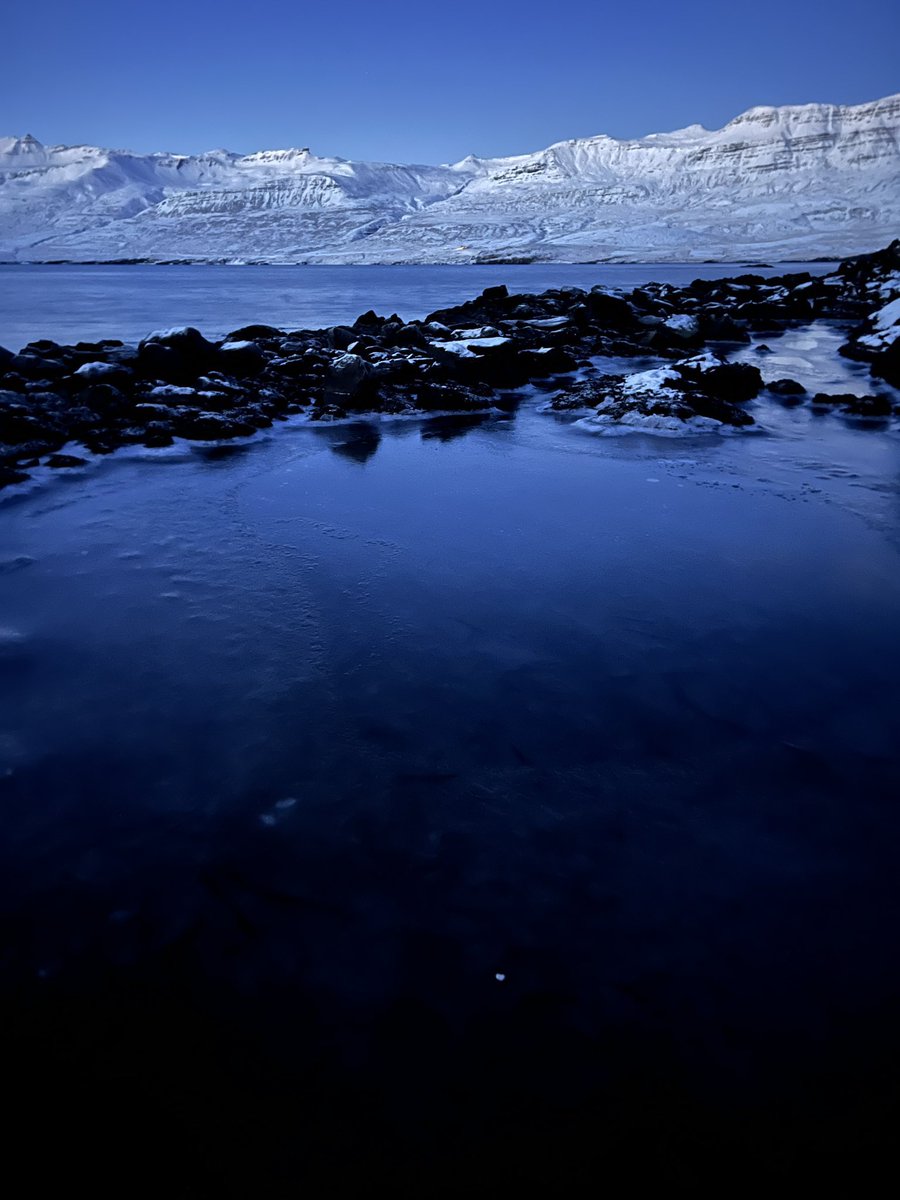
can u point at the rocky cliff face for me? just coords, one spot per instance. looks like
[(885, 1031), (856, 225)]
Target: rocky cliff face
[(807, 180)]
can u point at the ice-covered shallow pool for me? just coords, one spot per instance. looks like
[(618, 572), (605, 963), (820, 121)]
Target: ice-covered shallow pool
[(457, 794)]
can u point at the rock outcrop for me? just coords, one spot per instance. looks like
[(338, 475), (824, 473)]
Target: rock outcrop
[(465, 359)]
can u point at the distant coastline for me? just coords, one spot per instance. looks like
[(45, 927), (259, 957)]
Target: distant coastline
[(486, 262)]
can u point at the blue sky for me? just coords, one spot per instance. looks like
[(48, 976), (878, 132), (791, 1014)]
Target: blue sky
[(426, 81)]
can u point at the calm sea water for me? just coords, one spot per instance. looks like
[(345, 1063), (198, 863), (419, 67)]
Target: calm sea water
[(82, 303), (377, 788)]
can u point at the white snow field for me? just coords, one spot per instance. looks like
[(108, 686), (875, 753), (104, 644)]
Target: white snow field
[(792, 182)]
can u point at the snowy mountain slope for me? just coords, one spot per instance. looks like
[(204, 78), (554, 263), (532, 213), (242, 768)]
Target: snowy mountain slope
[(798, 181)]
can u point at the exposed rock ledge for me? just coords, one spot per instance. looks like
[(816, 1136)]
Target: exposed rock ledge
[(176, 383)]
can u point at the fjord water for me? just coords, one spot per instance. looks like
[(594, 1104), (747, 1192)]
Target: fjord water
[(482, 780), (70, 303)]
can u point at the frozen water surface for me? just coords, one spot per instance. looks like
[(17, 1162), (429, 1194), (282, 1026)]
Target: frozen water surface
[(308, 742)]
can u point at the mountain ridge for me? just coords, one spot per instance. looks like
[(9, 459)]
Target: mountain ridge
[(812, 180)]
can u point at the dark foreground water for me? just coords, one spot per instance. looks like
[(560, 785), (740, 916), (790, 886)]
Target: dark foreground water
[(455, 800), (85, 303)]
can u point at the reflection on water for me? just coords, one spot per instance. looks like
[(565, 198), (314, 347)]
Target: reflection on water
[(446, 429), (357, 440)]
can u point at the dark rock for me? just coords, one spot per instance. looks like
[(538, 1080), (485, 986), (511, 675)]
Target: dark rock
[(23, 452), (425, 395), (389, 330), (114, 374), (157, 435), (150, 412), (864, 267), (493, 294), (647, 303), (241, 359), (583, 395), (552, 360), (610, 312), (185, 339), (156, 361), (58, 461), (255, 415), (33, 366), (350, 375), (217, 381), (877, 339), (339, 337), (298, 367), (719, 326), (497, 362), (406, 335), (18, 425), (206, 426), (734, 382), (869, 406), (10, 475), (705, 405), (369, 320), (104, 344), (81, 420), (397, 370), (103, 442), (762, 314), (786, 387), (450, 397), (681, 329), (175, 355), (886, 365), (255, 333), (580, 320), (103, 398), (126, 356)]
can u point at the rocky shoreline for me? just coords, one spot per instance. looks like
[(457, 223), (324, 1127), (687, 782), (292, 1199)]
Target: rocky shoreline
[(468, 358)]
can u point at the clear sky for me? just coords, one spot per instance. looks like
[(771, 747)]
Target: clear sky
[(429, 81)]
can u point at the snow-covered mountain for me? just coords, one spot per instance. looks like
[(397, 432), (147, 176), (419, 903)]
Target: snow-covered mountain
[(797, 181)]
